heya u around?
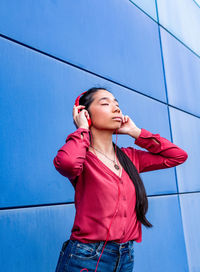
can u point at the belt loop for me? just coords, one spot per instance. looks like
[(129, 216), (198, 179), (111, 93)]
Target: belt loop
[(100, 246), (124, 245), (131, 243)]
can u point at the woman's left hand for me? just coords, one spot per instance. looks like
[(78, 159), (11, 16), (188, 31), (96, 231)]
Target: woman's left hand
[(127, 126)]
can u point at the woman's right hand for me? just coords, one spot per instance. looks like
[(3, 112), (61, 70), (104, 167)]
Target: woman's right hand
[(80, 118)]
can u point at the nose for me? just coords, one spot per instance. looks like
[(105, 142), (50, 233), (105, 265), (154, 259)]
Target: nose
[(116, 108)]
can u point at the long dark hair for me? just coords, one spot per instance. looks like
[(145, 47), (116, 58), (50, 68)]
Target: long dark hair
[(141, 197)]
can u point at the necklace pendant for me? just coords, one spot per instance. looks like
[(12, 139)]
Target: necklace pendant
[(116, 166)]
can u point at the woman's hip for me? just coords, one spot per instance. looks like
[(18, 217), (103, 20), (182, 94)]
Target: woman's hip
[(76, 255)]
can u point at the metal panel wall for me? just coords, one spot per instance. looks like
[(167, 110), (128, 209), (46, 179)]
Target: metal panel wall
[(182, 19), (52, 51)]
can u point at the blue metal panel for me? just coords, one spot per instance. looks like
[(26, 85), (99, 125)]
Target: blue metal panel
[(160, 181), (31, 238), (186, 130), (182, 18), (163, 246), (182, 69), (112, 38), (148, 6), (190, 204), (153, 116)]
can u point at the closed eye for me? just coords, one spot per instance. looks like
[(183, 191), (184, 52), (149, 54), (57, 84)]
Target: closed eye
[(108, 104)]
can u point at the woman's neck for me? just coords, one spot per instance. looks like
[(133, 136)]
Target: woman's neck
[(102, 141)]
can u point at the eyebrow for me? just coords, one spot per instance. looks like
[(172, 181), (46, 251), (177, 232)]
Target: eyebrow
[(107, 98)]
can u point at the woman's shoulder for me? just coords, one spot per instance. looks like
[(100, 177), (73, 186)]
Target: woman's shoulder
[(129, 151)]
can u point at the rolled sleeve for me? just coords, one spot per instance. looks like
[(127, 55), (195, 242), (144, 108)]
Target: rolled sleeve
[(161, 152), (71, 156)]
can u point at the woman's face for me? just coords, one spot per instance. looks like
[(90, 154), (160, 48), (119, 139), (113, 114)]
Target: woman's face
[(104, 109)]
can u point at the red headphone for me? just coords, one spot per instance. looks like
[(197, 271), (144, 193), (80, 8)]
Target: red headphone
[(89, 123), (77, 104)]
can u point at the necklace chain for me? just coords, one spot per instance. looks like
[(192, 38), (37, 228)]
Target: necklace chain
[(115, 164)]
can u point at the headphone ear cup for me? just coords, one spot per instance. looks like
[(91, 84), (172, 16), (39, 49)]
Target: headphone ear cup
[(77, 104), (89, 120)]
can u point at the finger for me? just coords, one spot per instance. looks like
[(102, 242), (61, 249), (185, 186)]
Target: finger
[(125, 118), (86, 114), (76, 108), (79, 106)]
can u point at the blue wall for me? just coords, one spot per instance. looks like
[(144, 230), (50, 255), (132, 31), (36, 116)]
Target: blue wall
[(145, 52)]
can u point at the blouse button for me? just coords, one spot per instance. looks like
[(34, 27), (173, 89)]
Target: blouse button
[(124, 197), (125, 214), (121, 181)]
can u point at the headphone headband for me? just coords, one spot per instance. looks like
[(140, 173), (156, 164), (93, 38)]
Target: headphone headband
[(78, 98)]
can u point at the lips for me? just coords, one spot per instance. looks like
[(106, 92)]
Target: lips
[(117, 118)]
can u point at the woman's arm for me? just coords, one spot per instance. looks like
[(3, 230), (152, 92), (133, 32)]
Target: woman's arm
[(71, 156), (161, 152)]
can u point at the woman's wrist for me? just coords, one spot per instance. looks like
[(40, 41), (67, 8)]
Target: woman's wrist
[(135, 133), (85, 127)]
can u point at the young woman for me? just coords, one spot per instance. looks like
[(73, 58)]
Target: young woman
[(110, 198)]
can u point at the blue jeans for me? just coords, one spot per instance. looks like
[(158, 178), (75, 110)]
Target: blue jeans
[(75, 256)]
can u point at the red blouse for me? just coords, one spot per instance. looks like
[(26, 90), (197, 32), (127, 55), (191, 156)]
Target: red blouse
[(96, 189)]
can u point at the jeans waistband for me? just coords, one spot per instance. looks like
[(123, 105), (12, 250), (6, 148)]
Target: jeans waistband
[(110, 245), (114, 246)]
